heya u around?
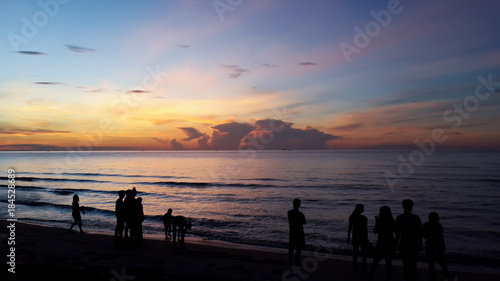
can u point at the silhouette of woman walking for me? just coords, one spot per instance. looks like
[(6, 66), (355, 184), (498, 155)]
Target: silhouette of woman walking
[(76, 213), (385, 226)]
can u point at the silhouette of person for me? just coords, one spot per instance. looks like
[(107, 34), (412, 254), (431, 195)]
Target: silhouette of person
[(179, 226), (167, 223), (76, 213), (358, 225), (386, 244), (138, 220), (432, 231), (128, 205), (409, 239), (120, 215), (296, 221)]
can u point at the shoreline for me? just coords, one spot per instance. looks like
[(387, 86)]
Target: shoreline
[(253, 247), (94, 256)]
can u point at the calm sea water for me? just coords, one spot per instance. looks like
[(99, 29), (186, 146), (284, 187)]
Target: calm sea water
[(244, 197)]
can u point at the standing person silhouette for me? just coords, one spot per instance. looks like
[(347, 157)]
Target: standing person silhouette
[(76, 214), (128, 208), (138, 220), (296, 221), (409, 239), (432, 231), (386, 244), (167, 223), (120, 215), (358, 225)]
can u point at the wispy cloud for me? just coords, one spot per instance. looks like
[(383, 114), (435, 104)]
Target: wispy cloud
[(269, 65), (136, 92), (28, 132), (31, 53), (236, 70), (307, 63), (349, 127), (183, 46), (161, 140), (47, 83), (78, 49)]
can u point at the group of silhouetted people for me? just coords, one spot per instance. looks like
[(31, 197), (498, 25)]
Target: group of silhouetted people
[(408, 231), (129, 214), (404, 234), (178, 225)]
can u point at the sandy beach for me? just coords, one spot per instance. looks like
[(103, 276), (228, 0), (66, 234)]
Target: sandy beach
[(43, 253)]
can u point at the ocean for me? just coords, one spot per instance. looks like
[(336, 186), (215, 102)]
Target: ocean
[(243, 197)]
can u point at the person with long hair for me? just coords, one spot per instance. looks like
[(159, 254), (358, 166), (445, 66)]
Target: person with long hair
[(76, 213), (435, 247), (386, 244)]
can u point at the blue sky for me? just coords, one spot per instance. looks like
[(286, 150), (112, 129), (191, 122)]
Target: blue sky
[(241, 62)]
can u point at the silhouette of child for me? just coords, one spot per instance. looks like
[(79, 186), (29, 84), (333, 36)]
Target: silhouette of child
[(432, 232), (358, 225), (386, 244), (76, 214), (167, 223), (120, 215), (296, 240)]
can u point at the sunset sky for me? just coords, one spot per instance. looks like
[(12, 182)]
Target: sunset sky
[(263, 74)]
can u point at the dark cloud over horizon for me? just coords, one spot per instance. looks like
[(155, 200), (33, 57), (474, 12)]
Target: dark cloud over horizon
[(263, 134), (277, 134), (176, 145), (192, 133)]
